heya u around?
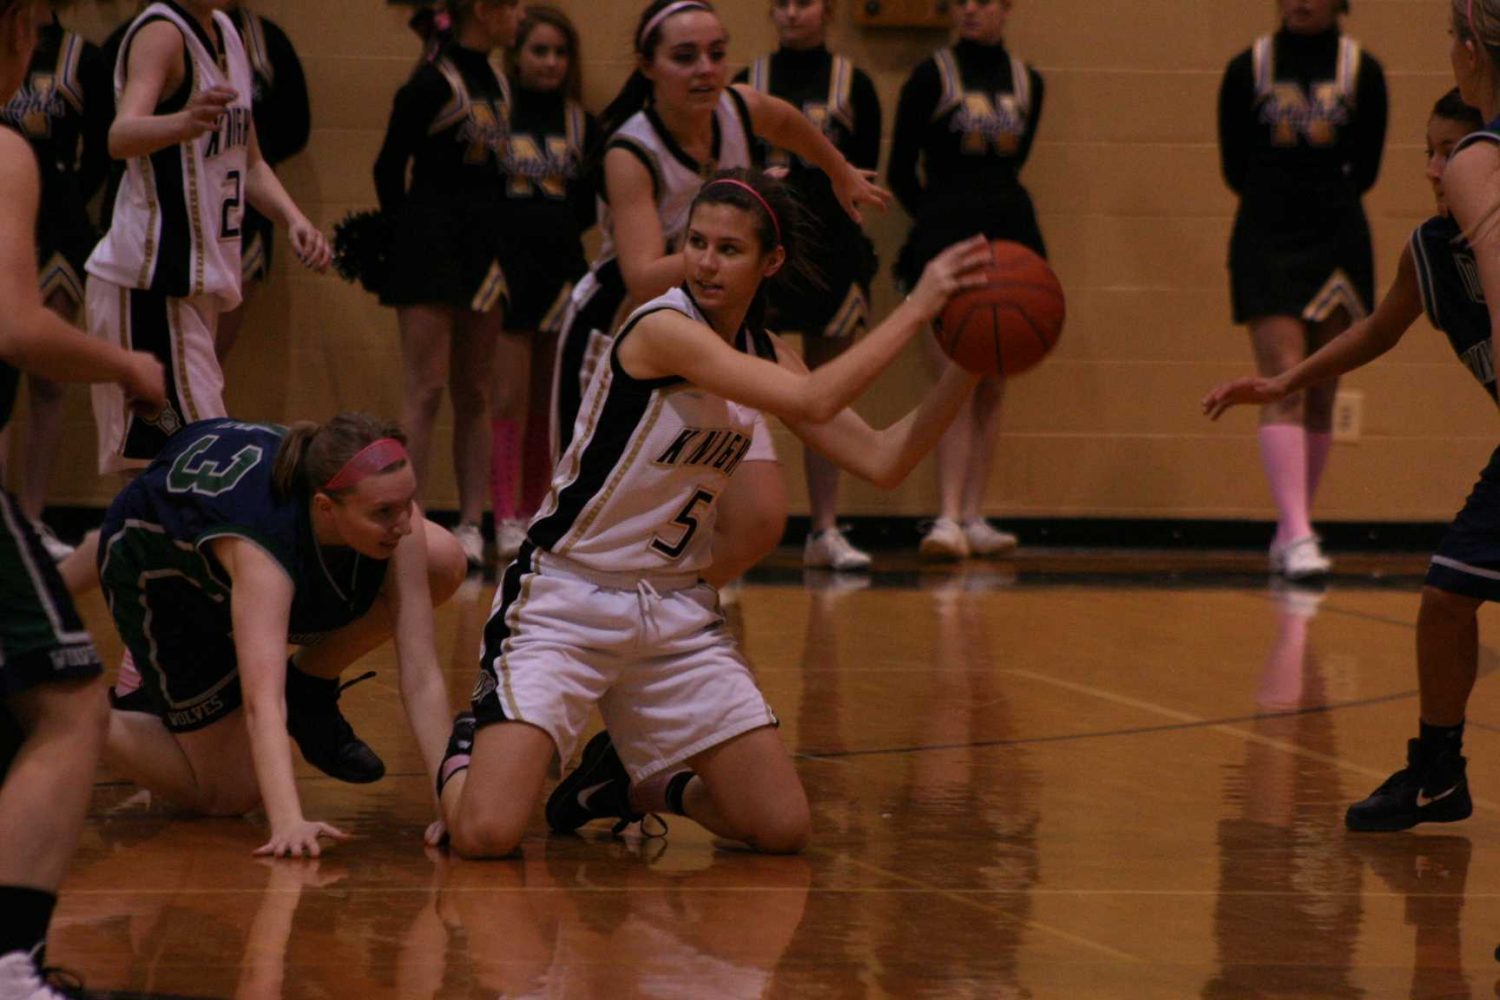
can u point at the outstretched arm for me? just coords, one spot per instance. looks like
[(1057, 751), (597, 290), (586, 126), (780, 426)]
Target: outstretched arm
[(781, 124), (33, 338), (1356, 347), (260, 606), (668, 343), (884, 457)]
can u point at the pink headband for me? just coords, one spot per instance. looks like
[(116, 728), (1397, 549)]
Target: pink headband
[(775, 222), (669, 10), (369, 460)]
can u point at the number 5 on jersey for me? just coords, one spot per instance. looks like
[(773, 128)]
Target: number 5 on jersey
[(687, 519)]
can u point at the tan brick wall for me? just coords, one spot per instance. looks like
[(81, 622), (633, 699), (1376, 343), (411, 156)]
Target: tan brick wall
[(1125, 176)]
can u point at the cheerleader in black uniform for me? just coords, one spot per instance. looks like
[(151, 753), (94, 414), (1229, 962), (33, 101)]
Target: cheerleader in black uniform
[(840, 100), (283, 122), (1302, 118), (546, 198), (63, 109), (449, 267), (970, 113)]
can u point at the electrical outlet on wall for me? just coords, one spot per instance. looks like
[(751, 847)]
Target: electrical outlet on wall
[(1348, 415)]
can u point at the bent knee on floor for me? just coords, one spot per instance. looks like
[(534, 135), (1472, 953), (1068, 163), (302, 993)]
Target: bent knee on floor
[(223, 803), (784, 831), (447, 566), (480, 837)]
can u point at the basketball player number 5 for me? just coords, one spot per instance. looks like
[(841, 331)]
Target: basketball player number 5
[(688, 519), (234, 196)]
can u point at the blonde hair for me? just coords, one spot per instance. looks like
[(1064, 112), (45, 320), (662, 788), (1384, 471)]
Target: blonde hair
[(311, 454)]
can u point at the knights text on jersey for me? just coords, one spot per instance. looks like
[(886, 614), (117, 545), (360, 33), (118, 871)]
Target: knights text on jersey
[(213, 479), (177, 216), (636, 490), (1452, 295)]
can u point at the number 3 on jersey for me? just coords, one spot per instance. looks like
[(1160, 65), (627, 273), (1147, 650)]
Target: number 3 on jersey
[(688, 520), (192, 473)]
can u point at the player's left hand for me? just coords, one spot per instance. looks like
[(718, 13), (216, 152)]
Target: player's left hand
[(311, 246), (856, 187), (1252, 390)]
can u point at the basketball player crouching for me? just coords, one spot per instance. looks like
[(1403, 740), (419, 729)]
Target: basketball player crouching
[(605, 602)]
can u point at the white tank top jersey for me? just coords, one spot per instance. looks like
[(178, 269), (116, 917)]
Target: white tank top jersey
[(635, 492), (176, 223), (675, 176)]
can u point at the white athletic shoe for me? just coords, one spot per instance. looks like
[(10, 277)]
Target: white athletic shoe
[(508, 539), (21, 980), (944, 540), (57, 549), (1300, 559), (472, 542), (831, 550), (987, 540)]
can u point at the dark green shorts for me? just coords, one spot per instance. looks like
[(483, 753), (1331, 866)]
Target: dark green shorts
[(42, 639)]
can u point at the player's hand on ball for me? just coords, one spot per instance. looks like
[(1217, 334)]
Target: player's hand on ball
[(204, 109), (299, 840), (1251, 390), (145, 383), (855, 187), (961, 266), (311, 246)]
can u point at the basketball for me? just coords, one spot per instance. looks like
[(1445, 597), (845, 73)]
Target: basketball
[(1008, 325)]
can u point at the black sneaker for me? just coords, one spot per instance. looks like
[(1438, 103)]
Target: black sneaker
[(460, 746), (1424, 791), (598, 789), (324, 736)]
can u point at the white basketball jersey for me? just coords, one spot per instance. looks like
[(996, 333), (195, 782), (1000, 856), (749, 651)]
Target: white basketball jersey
[(676, 177), (636, 490), (176, 223)]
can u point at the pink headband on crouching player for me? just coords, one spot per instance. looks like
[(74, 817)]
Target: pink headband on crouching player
[(668, 11), (775, 222), (373, 458)]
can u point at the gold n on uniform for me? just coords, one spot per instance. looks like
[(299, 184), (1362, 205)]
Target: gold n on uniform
[(1295, 114), (985, 121), (835, 109), (546, 162), (485, 124)]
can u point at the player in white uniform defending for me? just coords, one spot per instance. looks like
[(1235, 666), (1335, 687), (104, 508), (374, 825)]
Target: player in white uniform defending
[(674, 123), (170, 263), (605, 604)]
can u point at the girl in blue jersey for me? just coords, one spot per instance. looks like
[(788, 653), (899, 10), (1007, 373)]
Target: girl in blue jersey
[(1439, 274), (605, 604), (51, 683), (239, 539)]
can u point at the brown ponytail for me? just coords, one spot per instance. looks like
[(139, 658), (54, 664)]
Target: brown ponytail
[(311, 454)]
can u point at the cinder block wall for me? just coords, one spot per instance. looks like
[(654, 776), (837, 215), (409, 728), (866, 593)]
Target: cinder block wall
[(1125, 175)]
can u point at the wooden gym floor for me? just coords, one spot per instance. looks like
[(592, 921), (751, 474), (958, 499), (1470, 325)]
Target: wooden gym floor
[(1062, 777)]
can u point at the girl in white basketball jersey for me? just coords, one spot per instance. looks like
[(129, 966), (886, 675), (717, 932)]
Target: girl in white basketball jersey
[(674, 123), (170, 262), (605, 602)]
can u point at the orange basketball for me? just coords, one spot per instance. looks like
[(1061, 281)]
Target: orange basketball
[(1008, 325)]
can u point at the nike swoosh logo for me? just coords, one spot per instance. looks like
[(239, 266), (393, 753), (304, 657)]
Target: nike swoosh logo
[(1424, 800), (583, 796)]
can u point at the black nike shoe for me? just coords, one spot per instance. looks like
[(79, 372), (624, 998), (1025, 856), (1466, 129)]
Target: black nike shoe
[(598, 789), (460, 747), (1431, 788), (324, 736)]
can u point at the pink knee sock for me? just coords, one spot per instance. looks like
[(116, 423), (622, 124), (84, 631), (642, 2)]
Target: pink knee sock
[(128, 679), (536, 464), (1283, 452), (1319, 443), (505, 460)]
